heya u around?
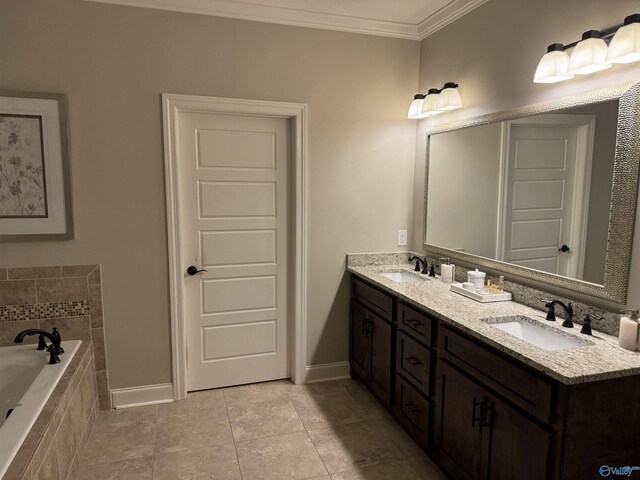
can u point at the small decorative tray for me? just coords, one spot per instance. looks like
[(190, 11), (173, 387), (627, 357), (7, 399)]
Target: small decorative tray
[(481, 295)]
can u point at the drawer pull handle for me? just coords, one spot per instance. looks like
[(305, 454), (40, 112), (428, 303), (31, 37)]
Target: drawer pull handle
[(367, 326), (486, 415), (413, 361), (412, 322), (475, 418), (411, 407)]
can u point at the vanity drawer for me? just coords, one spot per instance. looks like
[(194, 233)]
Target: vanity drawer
[(413, 362), (413, 411), (379, 302), (416, 324), (513, 382)]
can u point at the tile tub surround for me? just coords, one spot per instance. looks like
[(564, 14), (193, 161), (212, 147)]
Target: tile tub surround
[(303, 432), (604, 359), (56, 441), (68, 297)]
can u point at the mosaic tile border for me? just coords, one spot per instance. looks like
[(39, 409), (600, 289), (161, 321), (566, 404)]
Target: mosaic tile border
[(42, 311)]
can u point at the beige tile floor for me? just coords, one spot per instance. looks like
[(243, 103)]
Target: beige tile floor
[(276, 431)]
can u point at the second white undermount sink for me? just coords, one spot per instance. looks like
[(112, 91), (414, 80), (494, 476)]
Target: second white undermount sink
[(536, 333), (402, 277)]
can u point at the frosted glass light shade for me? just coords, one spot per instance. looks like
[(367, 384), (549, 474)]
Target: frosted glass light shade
[(553, 65), (625, 44), (449, 98), (430, 105), (589, 55), (415, 109)]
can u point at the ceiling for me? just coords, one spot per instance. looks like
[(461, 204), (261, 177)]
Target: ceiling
[(410, 19)]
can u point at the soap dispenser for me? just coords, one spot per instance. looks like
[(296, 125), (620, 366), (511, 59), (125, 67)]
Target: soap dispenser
[(447, 271), (629, 330)]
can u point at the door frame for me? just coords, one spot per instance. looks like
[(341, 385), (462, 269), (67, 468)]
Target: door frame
[(585, 125), (172, 106)]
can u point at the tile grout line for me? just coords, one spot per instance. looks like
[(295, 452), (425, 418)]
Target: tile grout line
[(306, 430), (155, 444), (233, 437)]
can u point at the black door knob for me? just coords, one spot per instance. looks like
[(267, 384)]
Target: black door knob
[(564, 249), (193, 270)]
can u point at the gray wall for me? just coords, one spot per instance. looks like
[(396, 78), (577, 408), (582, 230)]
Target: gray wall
[(464, 177), (493, 52), (113, 62)]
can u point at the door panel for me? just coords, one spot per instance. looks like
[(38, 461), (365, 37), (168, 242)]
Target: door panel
[(239, 247), (238, 294), (380, 332), (359, 341), (237, 199), (519, 447), (236, 149), (457, 436), (220, 341), (234, 184)]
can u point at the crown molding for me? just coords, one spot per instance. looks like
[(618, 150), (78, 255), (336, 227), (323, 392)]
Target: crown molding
[(302, 18), (446, 15)]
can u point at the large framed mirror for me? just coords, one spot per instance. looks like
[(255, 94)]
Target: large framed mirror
[(545, 193)]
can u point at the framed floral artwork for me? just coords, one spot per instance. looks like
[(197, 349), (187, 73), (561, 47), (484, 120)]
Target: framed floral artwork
[(35, 187)]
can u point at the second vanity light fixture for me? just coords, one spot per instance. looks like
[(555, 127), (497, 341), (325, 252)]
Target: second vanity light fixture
[(591, 54), (435, 101)]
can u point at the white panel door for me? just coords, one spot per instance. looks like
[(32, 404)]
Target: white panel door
[(539, 196), (234, 183)]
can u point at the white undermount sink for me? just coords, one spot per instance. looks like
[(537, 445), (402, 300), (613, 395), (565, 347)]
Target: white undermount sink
[(402, 277), (536, 333)]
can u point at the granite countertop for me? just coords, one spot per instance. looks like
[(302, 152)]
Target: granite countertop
[(601, 360)]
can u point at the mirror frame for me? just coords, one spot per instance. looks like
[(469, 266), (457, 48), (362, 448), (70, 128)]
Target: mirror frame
[(623, 195)]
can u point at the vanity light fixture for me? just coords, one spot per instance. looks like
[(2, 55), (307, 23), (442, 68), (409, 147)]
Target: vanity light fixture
[(553, 66), (625, 44), (415, 109), (435, 101), (449, 98), (591, 54), (430, 105)]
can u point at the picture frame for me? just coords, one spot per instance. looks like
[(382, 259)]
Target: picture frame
[(35, 181)]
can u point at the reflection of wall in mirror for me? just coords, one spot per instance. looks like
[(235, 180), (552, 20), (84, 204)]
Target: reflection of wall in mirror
[(462, 207), (600, 188)]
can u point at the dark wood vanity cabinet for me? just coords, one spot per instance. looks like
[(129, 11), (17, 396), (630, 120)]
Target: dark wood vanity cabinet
[(479, 436), (479, 413), (371, 339)]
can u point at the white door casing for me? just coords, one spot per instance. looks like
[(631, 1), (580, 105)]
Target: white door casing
[(177, 108), (546, 178), (234, 210)]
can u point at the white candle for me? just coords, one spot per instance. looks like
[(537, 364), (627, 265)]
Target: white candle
[(628, 334)]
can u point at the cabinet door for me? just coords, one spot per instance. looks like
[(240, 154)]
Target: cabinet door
[(359, 341), (458, 435), (380, 380), (519, 447)]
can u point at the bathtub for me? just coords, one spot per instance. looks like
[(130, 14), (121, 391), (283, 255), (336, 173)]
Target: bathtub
[(26, 382)]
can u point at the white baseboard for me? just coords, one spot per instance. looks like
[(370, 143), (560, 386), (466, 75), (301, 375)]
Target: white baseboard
[(327, 371), (139, 396)]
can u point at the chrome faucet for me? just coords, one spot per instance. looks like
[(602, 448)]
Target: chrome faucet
[(54, 337), (425, 268), (551, 313)]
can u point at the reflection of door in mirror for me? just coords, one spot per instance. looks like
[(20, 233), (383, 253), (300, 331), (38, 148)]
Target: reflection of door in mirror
[(546, 165)]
